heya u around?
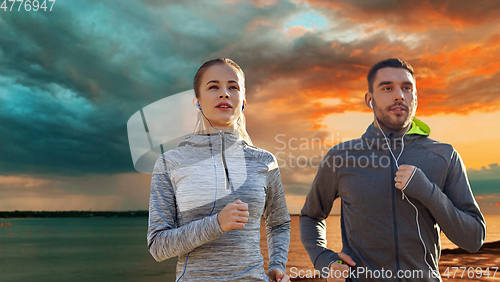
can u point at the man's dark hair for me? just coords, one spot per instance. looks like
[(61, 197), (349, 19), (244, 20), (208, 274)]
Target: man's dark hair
[(389, 63)]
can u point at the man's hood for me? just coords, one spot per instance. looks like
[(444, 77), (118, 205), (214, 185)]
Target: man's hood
[(418, 129)]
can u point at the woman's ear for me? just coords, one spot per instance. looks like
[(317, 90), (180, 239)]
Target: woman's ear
[(196, 103)]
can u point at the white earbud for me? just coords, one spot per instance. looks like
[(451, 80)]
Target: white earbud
[(371, 106)]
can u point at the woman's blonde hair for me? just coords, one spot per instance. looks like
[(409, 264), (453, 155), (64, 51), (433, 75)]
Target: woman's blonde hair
[(197, 84)]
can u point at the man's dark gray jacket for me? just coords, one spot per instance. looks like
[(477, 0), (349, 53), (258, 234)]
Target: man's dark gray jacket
[(379, 228)]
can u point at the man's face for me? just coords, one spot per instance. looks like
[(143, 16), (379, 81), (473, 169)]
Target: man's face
[(394, 99)]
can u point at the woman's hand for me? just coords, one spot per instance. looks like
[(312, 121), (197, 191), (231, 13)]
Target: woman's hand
[(233, 216), (277, 275)]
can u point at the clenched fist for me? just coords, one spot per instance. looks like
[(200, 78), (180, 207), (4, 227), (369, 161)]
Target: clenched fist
[(233, 216), (403, 175), (277, 275), (339, 272)]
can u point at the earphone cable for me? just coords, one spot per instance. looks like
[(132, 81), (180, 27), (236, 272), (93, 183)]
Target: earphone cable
[(214, 161), (416, 210)]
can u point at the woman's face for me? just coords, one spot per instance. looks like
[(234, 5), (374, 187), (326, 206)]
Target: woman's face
[(221, 95)]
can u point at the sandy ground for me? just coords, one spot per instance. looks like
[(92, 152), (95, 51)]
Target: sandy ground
[(488, 258), (475, 265)]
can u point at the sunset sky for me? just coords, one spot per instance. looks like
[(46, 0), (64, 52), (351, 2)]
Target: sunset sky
[(71, 78)]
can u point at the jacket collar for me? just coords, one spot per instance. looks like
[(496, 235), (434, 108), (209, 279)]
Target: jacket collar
[(418, 130), (212, 140)]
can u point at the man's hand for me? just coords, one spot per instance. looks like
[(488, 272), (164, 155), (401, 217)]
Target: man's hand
[(403, 175), (233, 216), (339, 272), (277, 275)]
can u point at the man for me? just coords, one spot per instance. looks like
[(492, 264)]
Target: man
[(399, 189)]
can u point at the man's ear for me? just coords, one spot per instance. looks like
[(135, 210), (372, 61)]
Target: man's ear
[(368, 99)]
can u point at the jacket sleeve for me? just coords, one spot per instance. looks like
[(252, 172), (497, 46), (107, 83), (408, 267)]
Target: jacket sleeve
[(165, 238), (454, 207), (316, 209), (277, 220)]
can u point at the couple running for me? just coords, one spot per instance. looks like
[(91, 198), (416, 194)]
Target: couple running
[(208, 196)]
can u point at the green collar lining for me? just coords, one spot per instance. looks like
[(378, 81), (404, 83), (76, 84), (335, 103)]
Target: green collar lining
[(419, 127)]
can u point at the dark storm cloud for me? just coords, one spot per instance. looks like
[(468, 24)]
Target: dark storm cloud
[(71, 78)]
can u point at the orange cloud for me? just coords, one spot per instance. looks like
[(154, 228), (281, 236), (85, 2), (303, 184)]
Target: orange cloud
[(411, 16), (451, 45), (446, 75), (263, 3), (257, 3), (297, 31)]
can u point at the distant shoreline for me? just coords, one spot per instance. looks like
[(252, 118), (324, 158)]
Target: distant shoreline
[(66, 214)]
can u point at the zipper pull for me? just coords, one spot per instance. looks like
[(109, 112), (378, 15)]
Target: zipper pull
[(227, 180)]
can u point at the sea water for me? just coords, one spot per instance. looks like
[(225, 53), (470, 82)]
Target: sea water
[(115, 249), (79, 249)]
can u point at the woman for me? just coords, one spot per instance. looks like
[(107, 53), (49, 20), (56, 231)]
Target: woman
[(209, 194)]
